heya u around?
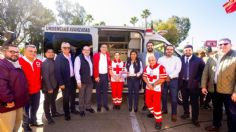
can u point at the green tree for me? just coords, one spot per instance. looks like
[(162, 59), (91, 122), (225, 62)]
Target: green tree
[(19, 15), (88, 19), (183, 25), (177, 28), (102, 23), (44, 17), (145, 14), (70, 13), (133, 20), (172, 34)]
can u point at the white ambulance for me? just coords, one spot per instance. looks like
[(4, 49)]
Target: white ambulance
[(118, 39), (121, 39)]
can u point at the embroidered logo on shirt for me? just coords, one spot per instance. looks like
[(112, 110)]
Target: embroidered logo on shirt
[(38, 64)]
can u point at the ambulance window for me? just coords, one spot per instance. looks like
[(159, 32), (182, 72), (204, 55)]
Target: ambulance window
[(77, 41)]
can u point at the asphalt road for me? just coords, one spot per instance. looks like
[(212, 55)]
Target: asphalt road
[(122, 120)]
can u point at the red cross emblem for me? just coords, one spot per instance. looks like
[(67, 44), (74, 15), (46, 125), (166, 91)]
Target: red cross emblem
[(151, 77), (117, 69)]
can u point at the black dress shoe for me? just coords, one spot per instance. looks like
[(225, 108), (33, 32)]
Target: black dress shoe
[(158, 125), (135, 110), (164, 112), (50, 122), (35, 124), (76, 102), (130, 109), (99, 109), (150, 115), (144, 108), (76, 112), (82, 113), (106, 108), (118, 107), (184, 116), (67, 118), (27, 128), (196, 123), (57, 114), (90, 110), (212, 129), (114, 107)]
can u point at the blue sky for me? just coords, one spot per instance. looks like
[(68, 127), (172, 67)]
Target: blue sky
[(208, 18)]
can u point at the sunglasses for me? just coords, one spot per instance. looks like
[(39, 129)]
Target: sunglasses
[(223, 44)]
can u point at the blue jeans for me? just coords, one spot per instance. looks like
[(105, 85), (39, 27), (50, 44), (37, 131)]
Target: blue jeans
[(173, 87), (30, 110)]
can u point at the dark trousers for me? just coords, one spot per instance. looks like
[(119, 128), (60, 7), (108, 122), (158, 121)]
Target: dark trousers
[(85, 94), (133, 89), (193, 94), (171, 86), (230, 109), (144, 93), (49, 104), (69, 94), (30, 110), (101, 90), (205, 99)]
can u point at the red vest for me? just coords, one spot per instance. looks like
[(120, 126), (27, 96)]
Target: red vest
[(33, 75), (118, 69), (153, 74)]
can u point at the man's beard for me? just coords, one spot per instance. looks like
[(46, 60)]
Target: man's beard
[(13, 60), (150, 50)]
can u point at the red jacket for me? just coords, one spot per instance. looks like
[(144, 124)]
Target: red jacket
[(96, 58), (33, 75)]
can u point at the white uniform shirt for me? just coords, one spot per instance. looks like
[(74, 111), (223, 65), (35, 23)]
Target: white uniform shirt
[(103, 64), (172, 65)]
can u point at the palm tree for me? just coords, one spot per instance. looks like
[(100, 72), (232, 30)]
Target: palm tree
[(89, 19), (133, 20), (102, 23), (146, 13)]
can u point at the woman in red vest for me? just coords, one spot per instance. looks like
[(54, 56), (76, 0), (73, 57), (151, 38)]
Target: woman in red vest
[(117, 73)]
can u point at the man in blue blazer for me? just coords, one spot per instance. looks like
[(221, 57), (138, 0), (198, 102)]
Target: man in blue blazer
[(189, 82), (65, 77), (144, 59)]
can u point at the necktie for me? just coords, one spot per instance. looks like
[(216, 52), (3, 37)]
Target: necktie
[(186, 75)]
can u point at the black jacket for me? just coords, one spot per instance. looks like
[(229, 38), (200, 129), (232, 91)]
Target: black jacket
[(49, 81), (63, 69), (196, 66)]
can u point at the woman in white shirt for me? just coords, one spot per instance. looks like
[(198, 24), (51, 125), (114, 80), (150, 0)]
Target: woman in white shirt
[(134, 71)]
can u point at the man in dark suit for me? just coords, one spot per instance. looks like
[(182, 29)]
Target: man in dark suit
[(66, 80), (49, 86), (189, 80)]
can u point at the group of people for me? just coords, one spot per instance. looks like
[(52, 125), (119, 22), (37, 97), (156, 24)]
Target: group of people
[(21, 79)]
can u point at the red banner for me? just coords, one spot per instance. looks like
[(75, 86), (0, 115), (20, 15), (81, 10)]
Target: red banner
[(211, 43), (230, 6)]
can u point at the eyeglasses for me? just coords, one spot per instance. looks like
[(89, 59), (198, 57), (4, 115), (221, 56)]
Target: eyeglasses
[(32, 51), (13, 52), (223, 44), (66, 47)]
